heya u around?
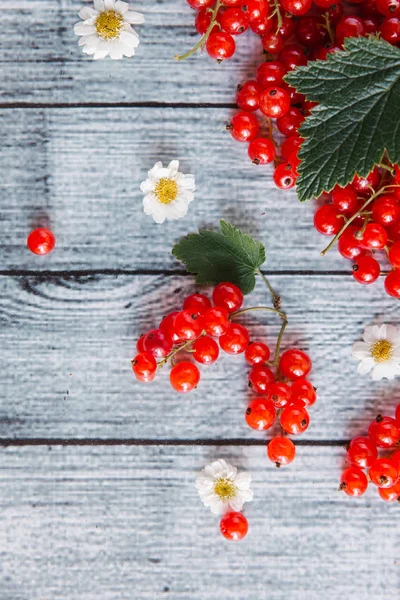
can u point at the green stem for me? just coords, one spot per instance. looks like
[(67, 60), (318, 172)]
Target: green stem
[(328, 28), (204, 38), (175, 351), (276, 12), (275, 297)]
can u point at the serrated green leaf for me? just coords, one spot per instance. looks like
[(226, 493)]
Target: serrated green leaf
[(357, 118), (229, 255)]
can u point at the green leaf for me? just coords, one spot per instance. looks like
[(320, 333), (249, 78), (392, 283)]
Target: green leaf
[(358, 116), (229, 255)]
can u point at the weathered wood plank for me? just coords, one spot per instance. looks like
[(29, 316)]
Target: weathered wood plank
[(66, 346), (81, 169), (126, 522), (41, 61)]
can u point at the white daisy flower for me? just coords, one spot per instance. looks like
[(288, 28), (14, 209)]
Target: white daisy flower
[(168, 192), (379, 352), (106, 29), (222, 489)]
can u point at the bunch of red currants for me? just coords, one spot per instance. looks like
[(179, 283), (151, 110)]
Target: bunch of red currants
[(383, 471)]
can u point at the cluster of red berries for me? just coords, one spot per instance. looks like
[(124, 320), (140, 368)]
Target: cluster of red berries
[(286, 395), (364, 217), (383, 471), (41, 241)]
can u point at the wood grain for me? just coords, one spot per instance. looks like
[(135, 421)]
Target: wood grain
[(121, 523), (81, 170), (67, 342)]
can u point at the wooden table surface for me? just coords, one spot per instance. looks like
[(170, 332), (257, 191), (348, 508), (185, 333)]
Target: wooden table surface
[(97, 496)]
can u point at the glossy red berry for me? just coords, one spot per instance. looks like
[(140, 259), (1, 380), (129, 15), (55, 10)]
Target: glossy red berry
[(220, 45), (244, 126), (297, 7), (362, 452), (345, 199), (271, 42), (167, 326), (390, 30), (281, 451), (216, 321), (197, 303), (392, 284), (375, 237), (280, 394), (349, 26), (284, 176), (234, 21), (198, 4), (261, 26), (260, 414), (205, 350), (303, 390), (310, 33), (349, 244), (260, 378), (384, 431), (235, 339), (234, 526), (394, 255), (290, 145), (288, 26), (290, 122), (390, 494), (353, 482), (328, 220), (140, 345), (261, 151), (228, 295), (247, 96), (363, 185), (386, 210), (257, 352), (270, 73), (366, 270), (294, 419), (295, 364), (157, 343), (383, 473), (274, 102), (256, 9), (184, 377), (144, 366), (388, 8), (292, 56), (188, 325), (41, 241), (203, 21)]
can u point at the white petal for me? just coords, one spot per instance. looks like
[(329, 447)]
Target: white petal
[(217, 506), (109, 4), (147, 186), (99, 5), (87, 13), (173, 168), (99, 54), (383, 370), (376, 332), (187, 182), (128, 51), (243, 480), (365, 366), (368, 336), (360, 350), (115, 51), (134, 17), (236, 503), (156, 172), (392, 334), (121, 7), (129, 38), (246, 495), (83, 29)]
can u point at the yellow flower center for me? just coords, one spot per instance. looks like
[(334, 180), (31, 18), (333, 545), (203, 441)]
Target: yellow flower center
[(166, 190), (224, 488), (382, 350), (109, 24)]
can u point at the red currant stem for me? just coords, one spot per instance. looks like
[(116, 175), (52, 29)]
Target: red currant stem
[(387, 167), (204, 38), (276, 12), (361, 231), (327, 26), (275, 298), (175, 351), (357, 214)]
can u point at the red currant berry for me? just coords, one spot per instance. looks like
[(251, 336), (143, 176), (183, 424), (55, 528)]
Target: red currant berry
[(345, 199), (167, 326), (395, 458), (394, 255), (353, 482), (188, 325), (388, 8), (392, 284), (274, 102), (349, 26), (384, 431), (41, 241), (270, 73), (157, 343), (243, 127), (292, 56), (310, 33), (197, 303), (184, 377), (234, 526), (290, 122), (328, 220), (271, 42), (297, 7), (257, 352), (198, 4), (295, 364), (205, 350), (290, 145), (386, 210), (371, 25), (390, 494), (260, 414), (281, 451), (247, 96), (203, 21), (235, 339), (220, 45), (349, 245), (232, 2), (261, 151), (216, 321), (139, 345), (260, 378), (228, 295), (261, 26), (303, 390), (234, 21), (363, 185), (374, 237), (144, 366), (366, 270), (390, 30), (294, 419), (280, 394), (323, 52), (256, 9), (284, 176), (362, 452), (383, 473)]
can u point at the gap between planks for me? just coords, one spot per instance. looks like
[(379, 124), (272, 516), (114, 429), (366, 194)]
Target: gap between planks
[(150, 272), (7, 442), (145, 104)]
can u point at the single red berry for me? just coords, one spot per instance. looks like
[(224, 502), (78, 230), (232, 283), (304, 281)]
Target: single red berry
[(294, 419), (383, 473), (345, 199), (167, 326), (328, 220), (235, 339), (394, 255), (297, 7), (144, 366), (274, 102), (366, 270), (247, 96), (244, 126), (260, 414), (270, 73), (203, 21), (228, 295), (386, 210), (349, 244), (261, 26), (188, 325), (349, 26), (384, 431), (288, 26), (157, 343), (281, 451), (260, 378), (290, 122), (41, 241), (220, 45), (197, 303), (234, 21), (205, 350), (184, 377), (291, 144), (363, 185), (334, 12), (362, 452), (140, 345), (292, 56), (390, 494), (280, 394), (295, 364), (371, 25), (271, 42), (395, 458), (216, 321), (390, 30), (284, 177), (375, 237), (261, 151), (324, 3), (234, 526), (353, 482), (232, 2), (388, 8), (256, 9), (198, 4), (392, 284), (310, 33), (257, 352), (323, 52), (303, 390)]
